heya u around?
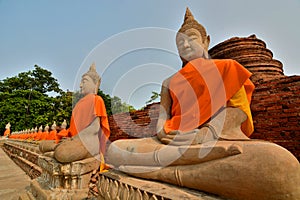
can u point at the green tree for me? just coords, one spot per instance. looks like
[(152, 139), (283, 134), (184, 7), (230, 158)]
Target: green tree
[(117, 106), (24, 102), (39, 79), (154, 96)]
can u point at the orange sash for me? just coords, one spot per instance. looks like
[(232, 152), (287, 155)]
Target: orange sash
[(6, 132), (202, 87), (84, 113)]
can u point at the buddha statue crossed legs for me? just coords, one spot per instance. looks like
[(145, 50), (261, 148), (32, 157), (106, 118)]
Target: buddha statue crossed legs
[(89, 129), (203, 132)]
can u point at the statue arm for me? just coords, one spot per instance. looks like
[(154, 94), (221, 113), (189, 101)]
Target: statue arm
[(91, 130), (89, 136), (175, 137), (165, 109)]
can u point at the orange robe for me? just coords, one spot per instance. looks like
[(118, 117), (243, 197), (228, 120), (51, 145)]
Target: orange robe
[(44, 135), (39, 135), (202, 87), (51, 135), (85, 112), (34, 135), (61, 134), (6, 132)]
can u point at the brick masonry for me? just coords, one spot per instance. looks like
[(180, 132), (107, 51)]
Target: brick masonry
[(276, 112)]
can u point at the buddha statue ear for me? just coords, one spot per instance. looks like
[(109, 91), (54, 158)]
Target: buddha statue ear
[(206, 42)]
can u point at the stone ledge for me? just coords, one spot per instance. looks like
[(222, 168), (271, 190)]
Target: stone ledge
[(24, 158), (117, 185), (37, 191), (75, 175)]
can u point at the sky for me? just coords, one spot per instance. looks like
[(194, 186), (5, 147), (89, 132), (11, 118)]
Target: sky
[(133, 42)]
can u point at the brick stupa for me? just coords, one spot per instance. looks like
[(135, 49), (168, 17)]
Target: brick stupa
[(252, 53)]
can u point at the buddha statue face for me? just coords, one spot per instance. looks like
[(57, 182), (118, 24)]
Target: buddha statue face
[(87, 85), (191, 40), (7, 126), (190, 45), (90, 81), (53, 126), (64, 125), (46, 128)]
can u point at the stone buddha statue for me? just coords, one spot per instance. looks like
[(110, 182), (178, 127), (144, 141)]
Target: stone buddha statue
[(203, 131), (88, 125), (63, 133), (7, 130)]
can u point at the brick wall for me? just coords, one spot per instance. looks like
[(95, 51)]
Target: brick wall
[(276, 112), (137, 124)]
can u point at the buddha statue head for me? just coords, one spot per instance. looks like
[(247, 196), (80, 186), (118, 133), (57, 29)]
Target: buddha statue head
[(46, 128), (8, 126), (53, 126), (41, 128), (64, 124), (192, 40), (90, 81)]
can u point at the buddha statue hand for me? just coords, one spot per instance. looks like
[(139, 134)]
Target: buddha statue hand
[(197, 136)]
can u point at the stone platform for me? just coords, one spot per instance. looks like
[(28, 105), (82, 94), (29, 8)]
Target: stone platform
[(71, 181), (117, 185)]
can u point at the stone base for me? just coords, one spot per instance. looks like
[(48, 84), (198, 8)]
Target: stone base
[(25, 154), (117, 185), (75, 175), (42, 192)]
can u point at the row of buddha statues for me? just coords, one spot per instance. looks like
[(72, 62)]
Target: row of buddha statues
[(203, 131), (39, 134)]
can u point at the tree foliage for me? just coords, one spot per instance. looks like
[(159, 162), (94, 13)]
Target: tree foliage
[(39, 80), (153, 98), (114, 104), (26, 104)]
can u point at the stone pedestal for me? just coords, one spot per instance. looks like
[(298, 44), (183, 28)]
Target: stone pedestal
[(117, 185), (63, 181), (25, 154)]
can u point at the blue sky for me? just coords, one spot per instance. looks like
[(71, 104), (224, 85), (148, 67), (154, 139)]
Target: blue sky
[(66, 36)]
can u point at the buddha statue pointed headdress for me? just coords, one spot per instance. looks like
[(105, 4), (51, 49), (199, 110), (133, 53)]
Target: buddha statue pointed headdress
[(190, 22), (93, 74), (64, 124)]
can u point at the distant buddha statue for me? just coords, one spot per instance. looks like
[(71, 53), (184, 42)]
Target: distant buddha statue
[(7, 130), (89, 128), (63, 133), (203, 131), (52, 133), (45, 133), (39, 133)]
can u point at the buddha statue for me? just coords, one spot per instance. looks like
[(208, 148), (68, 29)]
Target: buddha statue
[(7, 130), (89, 129), (39, 133), (203, 131), (63, 133)]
